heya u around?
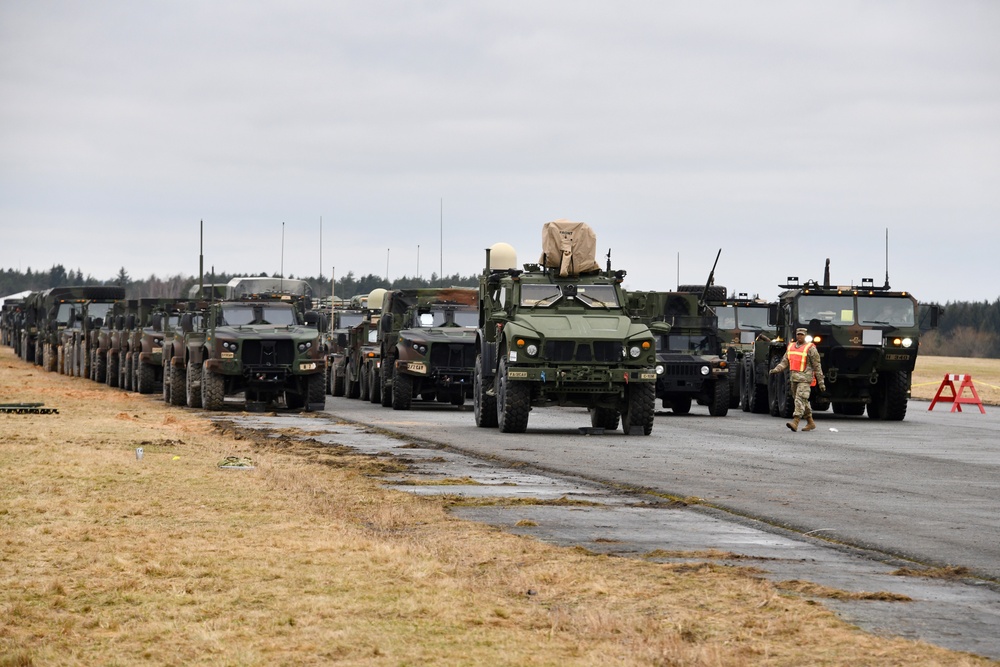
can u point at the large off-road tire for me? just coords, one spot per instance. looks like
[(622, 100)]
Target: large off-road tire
[(61, 360), (402, 391), (606, 418), (51, 358), (374, 384), (640, 406), (111, 372), (315, 392), (178, 385), (890, 399), (213, 389), (100, 366), (781, 402), (145, 378), (680, 405), (166, 380), (192, 384), (128, 372), (735, 385), (513, 401), (714, 293), (719, 393), (337, 388), (351, 388), (484, 406), (385, 379), (364, 392)]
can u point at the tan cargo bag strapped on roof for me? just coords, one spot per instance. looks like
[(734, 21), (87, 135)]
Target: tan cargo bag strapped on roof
[(570, 247)]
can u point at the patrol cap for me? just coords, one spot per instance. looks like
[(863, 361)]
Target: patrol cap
[(800, 331)]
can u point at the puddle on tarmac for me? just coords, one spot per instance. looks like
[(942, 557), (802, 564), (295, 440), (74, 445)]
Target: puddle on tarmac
[(957, 615)]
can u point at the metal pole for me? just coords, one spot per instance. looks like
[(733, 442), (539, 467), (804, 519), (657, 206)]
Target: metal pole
[(418, 261), (319, 283), (441, 270), (387, 266)]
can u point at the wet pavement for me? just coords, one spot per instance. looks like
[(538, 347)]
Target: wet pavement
[(962, 615)]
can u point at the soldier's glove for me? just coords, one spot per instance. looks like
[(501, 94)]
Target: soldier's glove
[(822, 388), (774, 371)]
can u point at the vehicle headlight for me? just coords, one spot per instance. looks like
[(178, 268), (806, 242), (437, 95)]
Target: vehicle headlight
[(634, 351), (659, 369), (907, 342), (227, 345), (421, 348), (809, 338), (705, 370), (531, 349), (157, 341), (305, 346)]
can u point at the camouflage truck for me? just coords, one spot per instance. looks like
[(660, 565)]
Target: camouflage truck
[(867, 337), (100, 339), (557, 334), (262, 342), (360, 363), (689, 361), (11, 322), (427, 345), (58, 309), (741, 319), (342, 320), (149, 322)]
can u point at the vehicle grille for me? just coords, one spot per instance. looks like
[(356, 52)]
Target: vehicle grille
[(453, 355), (602, 351), (268, 352), (682, 370), (852, 360)]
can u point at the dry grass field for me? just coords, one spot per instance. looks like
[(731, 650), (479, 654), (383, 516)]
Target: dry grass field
[(307, 560), (931, 370)]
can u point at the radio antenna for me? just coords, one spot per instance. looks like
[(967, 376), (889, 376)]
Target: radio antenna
[(886, 258)]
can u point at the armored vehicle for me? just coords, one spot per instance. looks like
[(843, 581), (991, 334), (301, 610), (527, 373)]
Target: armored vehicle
[(63, 315), (360, 363), (262, 342), (867, 337), (741, 319), (342, 321), (153, 318), (689, 361), (427, 345), (557, 333)]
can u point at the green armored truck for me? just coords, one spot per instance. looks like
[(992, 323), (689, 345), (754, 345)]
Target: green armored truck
[(741, 320), (427, 345), (262, 341), (689, 362), (557, 333), (868, 338), (343, 319)]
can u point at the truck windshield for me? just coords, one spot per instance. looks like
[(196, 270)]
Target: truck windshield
[(838, 310), (539, 295), (727, 317), (594, 296), (438, 317), (687, 343), (241, 315), (96, 310), (885, 310), (752, 318), (349, 320)]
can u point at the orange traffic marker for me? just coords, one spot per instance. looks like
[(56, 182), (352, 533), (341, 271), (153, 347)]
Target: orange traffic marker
[(956, 399)]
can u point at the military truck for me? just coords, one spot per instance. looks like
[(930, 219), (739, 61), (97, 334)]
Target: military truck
[(99, 342), (359, 364), (342, 320), (689, 361), (741, 319), (427, 345), (556, 333), (262, 342), (148, 323), (868, 340)]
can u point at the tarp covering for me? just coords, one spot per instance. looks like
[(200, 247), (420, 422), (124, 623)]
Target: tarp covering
[(570, 247)]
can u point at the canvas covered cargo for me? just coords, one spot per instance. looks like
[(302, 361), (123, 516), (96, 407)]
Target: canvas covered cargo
[(570, 247)]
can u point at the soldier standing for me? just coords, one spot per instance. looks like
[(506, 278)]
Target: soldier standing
[(803, 360)]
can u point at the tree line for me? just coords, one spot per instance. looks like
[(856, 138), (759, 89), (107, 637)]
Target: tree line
[(966, 328)]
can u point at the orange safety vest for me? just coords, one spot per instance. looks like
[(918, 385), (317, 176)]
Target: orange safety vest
[(797, 359)]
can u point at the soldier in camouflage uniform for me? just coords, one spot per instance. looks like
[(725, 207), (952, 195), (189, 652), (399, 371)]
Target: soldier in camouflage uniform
[(804, 365)]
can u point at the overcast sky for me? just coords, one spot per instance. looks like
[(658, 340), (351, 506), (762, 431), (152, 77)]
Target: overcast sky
[(783, 133)]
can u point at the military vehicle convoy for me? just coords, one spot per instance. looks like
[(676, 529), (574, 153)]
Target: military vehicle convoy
[(262, 341), (342, 321), (868, 340), (427, 345), (689, 362), (557, 333)]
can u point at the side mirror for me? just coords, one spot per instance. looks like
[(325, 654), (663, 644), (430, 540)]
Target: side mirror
[(187, 323), (157, 321), (385, 323), (342, 340), (130, 322), (98, 322), (312, 319), (747, 337), (772, 313)]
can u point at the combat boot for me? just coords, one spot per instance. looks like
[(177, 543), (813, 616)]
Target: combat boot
[(810, 425), (794, 424)]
